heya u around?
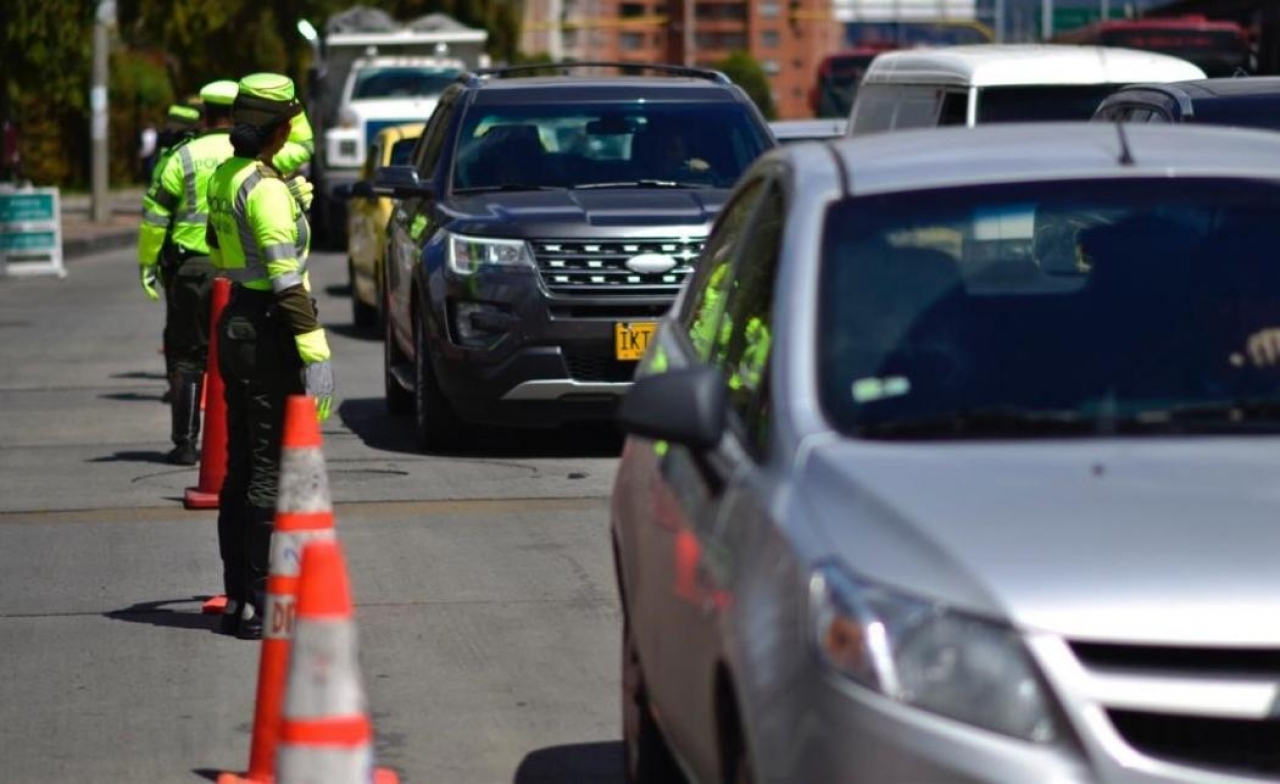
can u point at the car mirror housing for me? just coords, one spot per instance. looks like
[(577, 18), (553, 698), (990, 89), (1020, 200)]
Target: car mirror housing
[(401, 182), (362, 189), (342, 192), (685, 406)]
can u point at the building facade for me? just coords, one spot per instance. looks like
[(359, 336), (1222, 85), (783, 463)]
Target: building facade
[(788, 37)]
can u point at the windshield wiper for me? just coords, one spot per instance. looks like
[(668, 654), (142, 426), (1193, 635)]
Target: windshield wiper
[(510, 186), (642, 184), (998, 420)]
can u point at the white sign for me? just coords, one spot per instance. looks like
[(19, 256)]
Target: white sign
[(30, 231)]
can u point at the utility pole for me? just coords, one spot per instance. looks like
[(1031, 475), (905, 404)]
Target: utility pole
[(106, 17), (1046, 19)]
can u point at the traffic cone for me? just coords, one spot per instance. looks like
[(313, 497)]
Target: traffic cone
[(213, 449), (304, 513), (326, 735)]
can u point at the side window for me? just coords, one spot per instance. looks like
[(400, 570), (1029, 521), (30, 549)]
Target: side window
[(1111, 113), (917, 108), (433, 137), (1138, 114), (872, 109), (745, 332), (706, 299), (955, 109), (1158, 116)]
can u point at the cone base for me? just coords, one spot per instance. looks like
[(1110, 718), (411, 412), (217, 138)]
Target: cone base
[(214, 606), (242, 778), (195, 498), (385, 776)]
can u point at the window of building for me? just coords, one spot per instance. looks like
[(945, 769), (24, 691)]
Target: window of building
[(769, 9), (629, 41), (769, 39)]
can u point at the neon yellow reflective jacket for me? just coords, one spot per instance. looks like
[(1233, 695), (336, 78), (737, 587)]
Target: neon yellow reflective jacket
[(260, 237), (176, 204), (299, 149)]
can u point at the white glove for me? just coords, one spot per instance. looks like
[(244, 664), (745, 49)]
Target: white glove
[(318, 381), (303, 191)]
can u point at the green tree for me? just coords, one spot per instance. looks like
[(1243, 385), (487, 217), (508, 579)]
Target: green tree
[(747, 73)]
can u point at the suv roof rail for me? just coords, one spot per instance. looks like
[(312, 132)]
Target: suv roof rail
[(709, 74)]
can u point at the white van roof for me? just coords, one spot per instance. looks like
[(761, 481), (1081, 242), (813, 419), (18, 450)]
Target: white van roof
[(986, 65)]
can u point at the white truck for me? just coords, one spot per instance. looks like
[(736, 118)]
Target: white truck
[(370, 72)]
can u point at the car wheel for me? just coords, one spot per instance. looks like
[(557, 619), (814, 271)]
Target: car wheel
[(362, 315), (435, 423), (739, 771), (399, 399), (647, 760)]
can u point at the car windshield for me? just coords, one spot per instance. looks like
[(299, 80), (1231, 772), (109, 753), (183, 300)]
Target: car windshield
[(403, 82), (402, 151), (1083, 307), (576, 145), (1041, 103)]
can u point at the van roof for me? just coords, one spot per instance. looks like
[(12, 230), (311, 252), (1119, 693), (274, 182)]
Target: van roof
[(986, 65)]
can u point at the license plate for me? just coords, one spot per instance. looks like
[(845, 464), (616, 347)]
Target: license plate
[(631, 339)]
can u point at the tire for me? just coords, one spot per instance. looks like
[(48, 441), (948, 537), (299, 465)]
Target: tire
[(646, 758), (362, 315), (399, 399), (435, 423)]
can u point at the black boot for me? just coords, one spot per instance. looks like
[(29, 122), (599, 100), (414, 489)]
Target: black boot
[(258, 562), (186, 420)]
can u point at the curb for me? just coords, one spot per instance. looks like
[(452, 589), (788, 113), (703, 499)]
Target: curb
[(77, 247)]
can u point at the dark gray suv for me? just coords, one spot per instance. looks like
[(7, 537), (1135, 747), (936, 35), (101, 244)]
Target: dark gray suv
[(545, 225)]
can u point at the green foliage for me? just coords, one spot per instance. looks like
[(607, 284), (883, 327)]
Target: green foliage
[(747, 73), (164, 50)]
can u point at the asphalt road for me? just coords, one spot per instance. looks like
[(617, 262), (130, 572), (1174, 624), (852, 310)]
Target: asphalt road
[(485, 601)]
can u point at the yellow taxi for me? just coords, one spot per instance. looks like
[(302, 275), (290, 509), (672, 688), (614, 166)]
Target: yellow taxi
[(367, 216)]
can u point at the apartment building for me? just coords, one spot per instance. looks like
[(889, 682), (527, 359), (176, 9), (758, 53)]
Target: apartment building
[(788, 37)]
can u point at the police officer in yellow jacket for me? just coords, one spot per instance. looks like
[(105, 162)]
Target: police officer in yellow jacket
[(270, 342), (172, 247)]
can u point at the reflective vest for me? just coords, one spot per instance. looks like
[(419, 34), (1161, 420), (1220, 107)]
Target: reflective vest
[(259, 233), (176, 204)]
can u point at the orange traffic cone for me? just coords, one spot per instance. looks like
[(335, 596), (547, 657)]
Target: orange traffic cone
[(326, 735), (304, 513), (213, 449)]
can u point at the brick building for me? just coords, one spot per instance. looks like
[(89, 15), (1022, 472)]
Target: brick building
[(788, 37)]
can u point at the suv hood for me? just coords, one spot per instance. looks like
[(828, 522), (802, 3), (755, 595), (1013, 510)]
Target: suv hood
[(1139, 541), (568, 213)]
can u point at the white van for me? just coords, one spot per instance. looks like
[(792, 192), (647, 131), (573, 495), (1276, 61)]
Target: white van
[(992, 83)]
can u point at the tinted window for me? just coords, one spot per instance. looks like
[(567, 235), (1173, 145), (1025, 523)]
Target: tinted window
[(402, 82), (917, 107), (955, 109), (402, 151), (873, 110), (584, 145), (1041, 103), (1262, 111), (1083, 306), (838, 80), (427, 154)]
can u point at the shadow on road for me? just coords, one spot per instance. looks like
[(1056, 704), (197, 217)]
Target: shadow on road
[(369, 334), (173, 613), (338, 290), (369, 419), (132, 396), (135, 457), (143, 374), (578, 763)]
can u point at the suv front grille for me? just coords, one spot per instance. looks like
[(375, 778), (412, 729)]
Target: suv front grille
[(589, 365), (599, 267)]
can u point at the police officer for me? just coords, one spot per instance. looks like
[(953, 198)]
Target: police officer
[(270, 342), (172, 239)]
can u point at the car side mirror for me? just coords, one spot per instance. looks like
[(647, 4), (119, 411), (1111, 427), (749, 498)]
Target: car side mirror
[(362, 189), (401, 182), (685, 406), (342, 192)]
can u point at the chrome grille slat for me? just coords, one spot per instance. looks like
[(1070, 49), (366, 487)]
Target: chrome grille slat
[(598, 267)]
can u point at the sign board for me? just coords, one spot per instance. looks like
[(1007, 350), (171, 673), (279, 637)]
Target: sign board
[(1065, 19), (30, 231)]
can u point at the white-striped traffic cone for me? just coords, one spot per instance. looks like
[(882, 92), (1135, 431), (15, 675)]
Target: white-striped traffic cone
[(326, 735)]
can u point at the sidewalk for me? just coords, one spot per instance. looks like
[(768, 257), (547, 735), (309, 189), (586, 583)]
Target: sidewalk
[(81, 236)]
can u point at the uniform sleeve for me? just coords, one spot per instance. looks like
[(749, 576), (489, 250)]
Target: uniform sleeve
[(274, 214), (158, 205), (298, 150)]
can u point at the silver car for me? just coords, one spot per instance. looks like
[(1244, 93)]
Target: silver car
[(957, 462)]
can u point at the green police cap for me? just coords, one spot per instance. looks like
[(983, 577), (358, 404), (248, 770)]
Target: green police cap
[(264, 99), (220, 93), (180, 117)]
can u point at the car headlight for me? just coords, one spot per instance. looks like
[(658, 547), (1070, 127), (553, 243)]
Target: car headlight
[(468, 254), (951, 663)]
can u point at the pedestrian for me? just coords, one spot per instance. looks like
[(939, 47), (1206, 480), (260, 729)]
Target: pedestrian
[(172, 250), (271, 344)]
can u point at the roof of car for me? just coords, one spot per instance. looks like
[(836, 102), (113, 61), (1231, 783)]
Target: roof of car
[(950, 157), (604, 88), (985, 65), (1224, 87)]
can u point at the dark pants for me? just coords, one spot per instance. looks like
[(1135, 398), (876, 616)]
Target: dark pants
[(260, 365), (188, 284)]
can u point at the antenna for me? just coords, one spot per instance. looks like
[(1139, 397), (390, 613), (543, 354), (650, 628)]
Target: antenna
[(1126, 154)]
